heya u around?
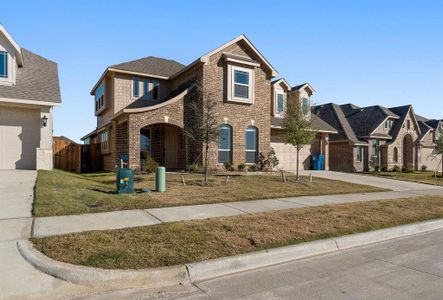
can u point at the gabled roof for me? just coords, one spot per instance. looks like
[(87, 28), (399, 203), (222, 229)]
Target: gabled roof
[(366, 120), (151, 65), (334, 116), (420, 118), (424, 128), (281, 80), (316, 123), (303, 86), (433, 123), (349, 108), (19, 55), (402, 112), (37, 80)]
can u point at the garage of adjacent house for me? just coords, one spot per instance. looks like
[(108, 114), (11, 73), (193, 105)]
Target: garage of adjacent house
[(19, 137)]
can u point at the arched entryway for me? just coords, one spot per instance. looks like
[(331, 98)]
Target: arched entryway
[(408, 151), (164, 143)]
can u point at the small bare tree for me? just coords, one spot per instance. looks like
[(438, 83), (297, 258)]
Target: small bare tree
[(439, 150), (203, 127), (296, 127)]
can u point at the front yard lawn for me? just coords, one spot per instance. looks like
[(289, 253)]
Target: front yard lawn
[(63, 193), (193, 241), (417, 176)]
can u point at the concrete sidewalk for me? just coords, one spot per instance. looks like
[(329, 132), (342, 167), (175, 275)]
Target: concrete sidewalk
[(48, 226)]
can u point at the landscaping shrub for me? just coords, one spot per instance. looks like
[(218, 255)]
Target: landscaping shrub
[(407, 169), (376, 168), (228, 166), (253, 168), (241, 167), (194, 167), (424, 168), (396, 168), (267, 162), (149, 164), (384, 169)]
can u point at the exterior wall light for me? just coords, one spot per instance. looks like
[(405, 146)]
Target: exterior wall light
[(44, 121)]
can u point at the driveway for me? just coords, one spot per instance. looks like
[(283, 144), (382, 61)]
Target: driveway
[(18, 279), (385, 183)]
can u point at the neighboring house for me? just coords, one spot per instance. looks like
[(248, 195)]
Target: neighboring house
[(431, 131), (377, 136), (29, 89), (142, 109)]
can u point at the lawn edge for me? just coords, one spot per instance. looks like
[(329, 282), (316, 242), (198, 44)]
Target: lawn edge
[(209, 269)]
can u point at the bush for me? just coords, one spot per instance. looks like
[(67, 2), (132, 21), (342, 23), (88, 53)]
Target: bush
[(384, 169), (194, 167), (424, 168), (376, 168), (253, 168), (267, 162), (396, 168), (241, 167), (149, 164), (407, 169), (228, 166)]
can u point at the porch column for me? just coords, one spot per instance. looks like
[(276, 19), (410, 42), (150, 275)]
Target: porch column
[(325, 148), (44, 152), (133, 145)]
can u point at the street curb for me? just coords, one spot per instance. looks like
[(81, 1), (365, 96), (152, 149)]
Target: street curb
[(218, 267), (209, 269), (98, 277)]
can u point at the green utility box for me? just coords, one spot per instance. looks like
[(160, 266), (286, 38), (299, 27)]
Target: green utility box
[(160, 179), (125, 181)]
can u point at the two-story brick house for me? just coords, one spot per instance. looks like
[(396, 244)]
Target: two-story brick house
[(379, 136), (142, 109)]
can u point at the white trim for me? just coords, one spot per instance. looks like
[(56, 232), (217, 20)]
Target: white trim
[(242, 62), (282, 80), (231, 90), (276, 93), (14, 44), (32, 102), (242, 37), (306, 85)]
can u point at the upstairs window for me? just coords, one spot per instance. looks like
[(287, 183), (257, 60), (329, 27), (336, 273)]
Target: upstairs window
[(155, 90), (408, 124), (240, 84), (388, 124), (146, 88), (280, 103), (251, 145), (225, 144), (305, 105), (3, 64), (100, 97), (135, 88)]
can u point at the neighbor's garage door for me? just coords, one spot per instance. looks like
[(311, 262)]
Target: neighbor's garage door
[(287, 156), (19, 137)]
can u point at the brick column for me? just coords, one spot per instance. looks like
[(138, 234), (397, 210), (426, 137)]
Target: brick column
[(134, 144), (325, 149)]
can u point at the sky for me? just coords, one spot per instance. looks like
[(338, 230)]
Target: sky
[(367, 52)]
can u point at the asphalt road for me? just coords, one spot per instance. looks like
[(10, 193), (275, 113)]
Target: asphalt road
[(407, 268)]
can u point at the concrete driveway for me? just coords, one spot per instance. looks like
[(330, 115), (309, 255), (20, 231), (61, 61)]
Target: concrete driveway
[(18, 279)]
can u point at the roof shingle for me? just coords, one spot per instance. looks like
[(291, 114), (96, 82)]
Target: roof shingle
[(151, 65)]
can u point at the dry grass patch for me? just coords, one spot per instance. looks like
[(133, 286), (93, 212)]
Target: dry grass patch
[(192, 241), (62, 193)]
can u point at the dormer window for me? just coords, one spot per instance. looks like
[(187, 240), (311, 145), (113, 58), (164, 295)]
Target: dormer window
[(388, 124), (100, 97), (3, 64), (305, 105), (279, 103), (241, 83)]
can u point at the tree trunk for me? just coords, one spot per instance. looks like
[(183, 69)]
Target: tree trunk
[(297, 177), (442, 165), (206, 163)]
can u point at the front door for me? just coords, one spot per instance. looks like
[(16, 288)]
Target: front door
[(171, 147)]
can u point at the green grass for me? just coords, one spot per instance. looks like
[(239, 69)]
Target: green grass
[(193, 241), (62, 193), (417, 176)]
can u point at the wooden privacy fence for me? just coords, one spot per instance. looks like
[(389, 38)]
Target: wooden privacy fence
[(67, 154), (72, 157)]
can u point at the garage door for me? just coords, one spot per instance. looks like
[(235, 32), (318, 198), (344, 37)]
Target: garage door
[(19, 138), (287, 156)]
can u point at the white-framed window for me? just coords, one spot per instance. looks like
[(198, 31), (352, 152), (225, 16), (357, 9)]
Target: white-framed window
[(388, 124), (241, 84), (225, 144), (151, 90), (4, 67), (104, 142), (251, 145), (279, 103), (305, 105), (100, 97), (358, 153)]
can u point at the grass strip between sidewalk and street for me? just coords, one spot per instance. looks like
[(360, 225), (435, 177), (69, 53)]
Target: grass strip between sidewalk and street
[(193, 241), (426, 177), (62, 193)]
